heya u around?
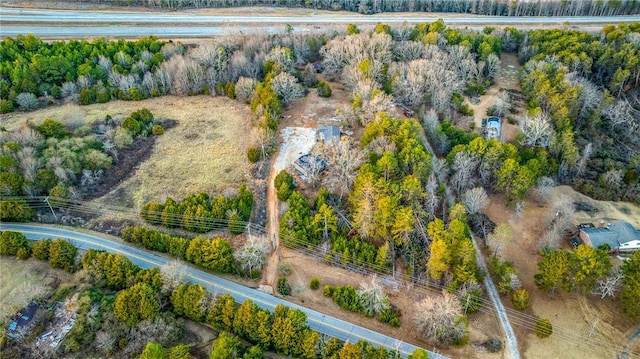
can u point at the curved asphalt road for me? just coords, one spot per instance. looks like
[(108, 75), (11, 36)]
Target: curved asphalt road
[(317, 321)]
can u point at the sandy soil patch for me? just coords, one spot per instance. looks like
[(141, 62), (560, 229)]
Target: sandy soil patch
[(584, 326), (296, 141)]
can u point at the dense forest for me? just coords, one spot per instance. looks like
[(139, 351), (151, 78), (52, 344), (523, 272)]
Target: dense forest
[(479, 7)]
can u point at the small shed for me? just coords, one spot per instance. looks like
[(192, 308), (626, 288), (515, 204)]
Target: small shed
[(328, 134), (620, 236)]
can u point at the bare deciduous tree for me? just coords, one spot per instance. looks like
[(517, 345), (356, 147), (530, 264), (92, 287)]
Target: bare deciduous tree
[(105, 63), (251, 255), (68, 89), (620, 114), (84, 82), (502, 103), (613, 178), (544, 189), (432, 199), (27, 100), (501, 235), (589, 96), (180, 76), (581, 165), (559, 221), (475, 200), (610, 285), (407, 51), (347, 50), (172, 48), (537, 131), (343, 159), (172, 275), (283, 56), (244, 89), (439, 318), (464, 167), (105, 341), (492, 67), (149, 84), (287, 87)]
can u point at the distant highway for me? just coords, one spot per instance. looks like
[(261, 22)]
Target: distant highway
[(72, 16), (72, 23), (317, 321)]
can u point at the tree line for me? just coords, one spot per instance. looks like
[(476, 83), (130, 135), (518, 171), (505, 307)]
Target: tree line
[(85, 71), (201, 213), (140, 299), (215, 254), (479, 7), (370, 300), (590, 271)]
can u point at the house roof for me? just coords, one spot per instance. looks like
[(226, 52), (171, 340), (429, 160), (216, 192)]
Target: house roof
[(307, 163), (614, 234), (493, 127), (329, 133)]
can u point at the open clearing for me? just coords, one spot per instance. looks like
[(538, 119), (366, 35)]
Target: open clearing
[(205, 152), (573, 315), (508, 79), (21, 280)]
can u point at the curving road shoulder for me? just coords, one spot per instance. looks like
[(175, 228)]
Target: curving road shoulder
[(317, 321)]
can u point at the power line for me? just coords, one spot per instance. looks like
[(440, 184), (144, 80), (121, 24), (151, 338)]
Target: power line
[(520, 319)]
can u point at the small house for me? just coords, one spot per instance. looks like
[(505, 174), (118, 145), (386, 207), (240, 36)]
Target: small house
[(328, 134), (619, 236), (308, 166)]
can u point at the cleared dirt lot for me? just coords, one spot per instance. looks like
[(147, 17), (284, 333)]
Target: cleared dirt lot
[(584, 326)]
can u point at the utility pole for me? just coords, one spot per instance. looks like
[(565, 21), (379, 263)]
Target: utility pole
[(46, 200)]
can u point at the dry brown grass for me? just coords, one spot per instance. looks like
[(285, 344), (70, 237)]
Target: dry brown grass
[(205, 152), (21, 279)]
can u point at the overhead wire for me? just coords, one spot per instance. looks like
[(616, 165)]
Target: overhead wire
[(357, 265)]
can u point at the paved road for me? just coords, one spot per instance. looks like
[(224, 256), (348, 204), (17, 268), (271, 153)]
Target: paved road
[(71, 16), (71, 24), (511, 340), (322, 323)]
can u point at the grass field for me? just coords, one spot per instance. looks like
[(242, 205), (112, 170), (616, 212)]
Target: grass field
[(206, 151), (20, 281)]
